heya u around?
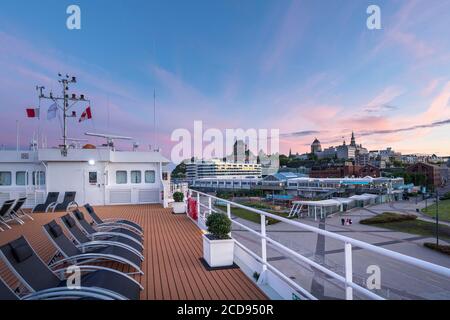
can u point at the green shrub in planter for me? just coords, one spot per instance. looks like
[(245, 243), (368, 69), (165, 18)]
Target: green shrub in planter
[(178, 196), (219, 225)]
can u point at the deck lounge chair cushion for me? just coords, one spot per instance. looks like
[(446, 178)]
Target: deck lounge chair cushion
[(55, 230), (69, 220), (89, 208), (78, 214), (113, 282), (97, 219), (21, 251)]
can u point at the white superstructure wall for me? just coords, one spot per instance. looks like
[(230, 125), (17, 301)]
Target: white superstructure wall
[(107, 183)]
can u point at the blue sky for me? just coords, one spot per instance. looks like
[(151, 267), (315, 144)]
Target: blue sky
[(309, 68)]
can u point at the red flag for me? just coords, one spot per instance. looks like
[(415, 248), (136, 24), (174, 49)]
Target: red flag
[(86, 114), (33, 112)]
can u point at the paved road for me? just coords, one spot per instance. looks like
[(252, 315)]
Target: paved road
[(399, 281)]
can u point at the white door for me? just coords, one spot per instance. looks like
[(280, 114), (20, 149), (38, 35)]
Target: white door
[(94, 186)]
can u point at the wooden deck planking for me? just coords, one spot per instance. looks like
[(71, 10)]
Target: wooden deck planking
[(173, 248)]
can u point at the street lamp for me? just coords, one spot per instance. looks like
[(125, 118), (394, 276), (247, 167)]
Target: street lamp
[(437, 219)]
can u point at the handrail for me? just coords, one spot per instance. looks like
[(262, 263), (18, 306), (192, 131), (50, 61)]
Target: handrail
[(364, 245), (349, 242), (309, 261), (278, 272)]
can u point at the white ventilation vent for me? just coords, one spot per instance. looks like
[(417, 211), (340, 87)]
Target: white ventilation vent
[(148, 196), (120, 196), (24, 156), (4, 197)]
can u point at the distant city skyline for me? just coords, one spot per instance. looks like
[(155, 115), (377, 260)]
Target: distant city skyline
[(309, 68), (347, 141)]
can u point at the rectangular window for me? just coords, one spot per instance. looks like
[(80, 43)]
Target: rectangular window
[(38, 178), (5, 178), (150, 176), (21, 178), (93, 177), (136, 176), (121, 177)]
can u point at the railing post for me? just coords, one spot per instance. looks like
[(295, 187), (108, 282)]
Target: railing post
[(209, 205), (199, 215), (263, 250), (348, 271), (229, 214)]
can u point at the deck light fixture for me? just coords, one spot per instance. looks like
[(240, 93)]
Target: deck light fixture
[(91, 162)]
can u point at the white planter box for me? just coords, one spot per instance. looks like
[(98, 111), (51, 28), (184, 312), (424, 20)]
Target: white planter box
[(178, 207), (218, 253)]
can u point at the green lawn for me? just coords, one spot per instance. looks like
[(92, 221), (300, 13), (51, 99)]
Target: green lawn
[(388, 217), (444, 210), (418, 227), (251, 216)]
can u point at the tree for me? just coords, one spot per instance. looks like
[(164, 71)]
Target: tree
[(397, 163), (180, 171), (283, 160), (418, 179), (313, 156)]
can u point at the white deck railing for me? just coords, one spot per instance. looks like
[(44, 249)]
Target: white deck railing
[(347, 280)]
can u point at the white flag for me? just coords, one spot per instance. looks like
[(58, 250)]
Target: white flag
[(51, 113)]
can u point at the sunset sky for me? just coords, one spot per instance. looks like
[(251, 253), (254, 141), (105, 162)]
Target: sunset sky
[(309, 68)]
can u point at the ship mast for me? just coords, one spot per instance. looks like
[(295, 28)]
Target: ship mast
[(65, 81)]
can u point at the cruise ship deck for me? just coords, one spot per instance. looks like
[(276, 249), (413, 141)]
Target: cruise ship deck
[(173, 249)]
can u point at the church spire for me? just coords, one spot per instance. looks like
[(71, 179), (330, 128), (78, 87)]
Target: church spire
[(353, 141)]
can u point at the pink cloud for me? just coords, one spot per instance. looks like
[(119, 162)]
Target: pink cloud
[(379, 102), (23, 65), (340, 124), (399, 32), (431, 87), (412, 43), (287, 35)]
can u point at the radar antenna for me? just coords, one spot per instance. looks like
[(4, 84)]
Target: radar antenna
[(109, 138)]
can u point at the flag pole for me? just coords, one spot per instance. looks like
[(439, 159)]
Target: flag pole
[(39, 126), (40, 89), (17, 136), (154, 118)]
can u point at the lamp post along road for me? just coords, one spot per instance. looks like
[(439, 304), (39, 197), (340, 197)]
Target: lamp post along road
[(437, 218)]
